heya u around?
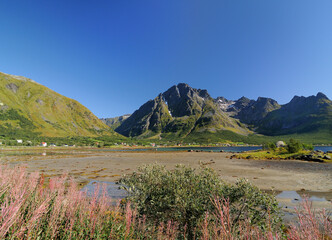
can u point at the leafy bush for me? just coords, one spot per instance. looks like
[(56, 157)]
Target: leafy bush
[(308, 147), (269, 146), (184, 195), (294, 146)]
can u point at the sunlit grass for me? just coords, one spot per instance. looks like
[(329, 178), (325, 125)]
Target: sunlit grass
[(279, 153)]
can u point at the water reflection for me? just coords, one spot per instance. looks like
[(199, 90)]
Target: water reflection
[(296, 198), (112, 189)]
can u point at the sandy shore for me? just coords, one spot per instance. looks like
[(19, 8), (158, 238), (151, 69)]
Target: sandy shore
[(282, 175)]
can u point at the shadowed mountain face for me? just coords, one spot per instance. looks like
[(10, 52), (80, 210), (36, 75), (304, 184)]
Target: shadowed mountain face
[(246, 110), (252, 112), (30, 109), (300, 115), (179, 111), (266, 116), (183, 100)]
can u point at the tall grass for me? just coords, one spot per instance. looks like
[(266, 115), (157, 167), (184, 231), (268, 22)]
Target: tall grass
[(311, 224), (60, 211), (29, 210)]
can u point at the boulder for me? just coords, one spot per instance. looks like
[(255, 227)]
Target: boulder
[(310, 157), (281, 144)]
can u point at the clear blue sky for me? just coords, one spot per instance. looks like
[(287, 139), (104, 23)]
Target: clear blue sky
[(113, 56)]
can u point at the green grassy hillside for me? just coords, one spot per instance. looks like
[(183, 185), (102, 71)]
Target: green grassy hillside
[(115, 122), (28, 108)]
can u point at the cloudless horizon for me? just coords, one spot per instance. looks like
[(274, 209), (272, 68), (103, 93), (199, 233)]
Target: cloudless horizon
[(113, 56)]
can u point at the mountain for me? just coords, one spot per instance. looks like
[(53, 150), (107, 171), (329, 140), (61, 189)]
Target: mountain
[(30, 109), (116, 121), (178, 112), (301, 115), (246, 110), (252, 112), (186, 112), (224, 104)]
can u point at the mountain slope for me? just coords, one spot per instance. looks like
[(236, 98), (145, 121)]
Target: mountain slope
[(28, 108), (253, 112), (246, 110), (300, 115), (185, 112), (115, 122), (178, 112)]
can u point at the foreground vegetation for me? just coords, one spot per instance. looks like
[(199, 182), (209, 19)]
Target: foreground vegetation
[(184, 195), (31, 210)]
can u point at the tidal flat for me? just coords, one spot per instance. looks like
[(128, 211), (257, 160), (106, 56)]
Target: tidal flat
[(83, 164), (86, 165)]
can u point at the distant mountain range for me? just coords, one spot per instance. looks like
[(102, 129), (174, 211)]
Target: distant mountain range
[(30, 109), (182, 111)]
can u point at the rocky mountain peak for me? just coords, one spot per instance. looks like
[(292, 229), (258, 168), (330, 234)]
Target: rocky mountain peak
[(243, 101), (321, 95), (183, 100), (264, 99), (203, 93), (251, 111), (299, 101), (296, 99), (223, 103), (267, 102)]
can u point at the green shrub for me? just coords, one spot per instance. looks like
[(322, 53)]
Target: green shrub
[(269, 146), (294, 146), (184, 195), (308, 147)]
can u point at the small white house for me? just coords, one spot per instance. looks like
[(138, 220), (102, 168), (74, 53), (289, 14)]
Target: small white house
[(44, 144), (19, 140)]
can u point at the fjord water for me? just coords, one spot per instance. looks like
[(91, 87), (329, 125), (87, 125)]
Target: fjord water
[(160, 149), (209, 149), (323, 148), (114, 190)]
